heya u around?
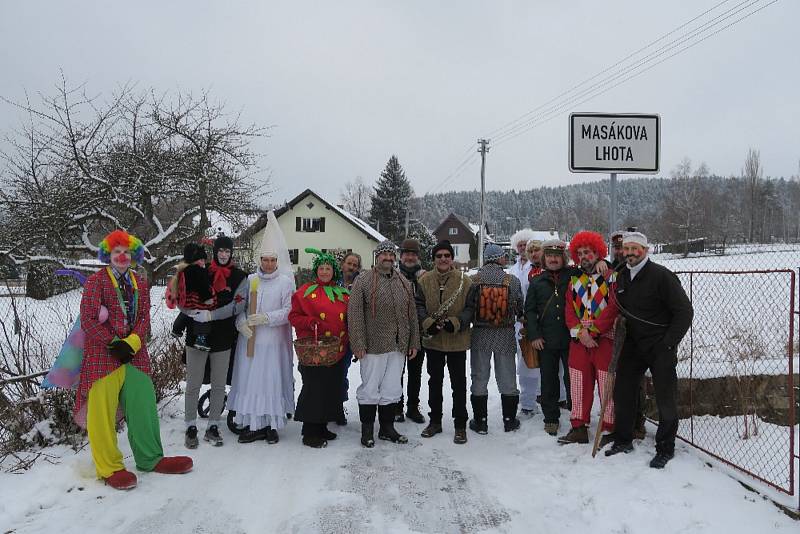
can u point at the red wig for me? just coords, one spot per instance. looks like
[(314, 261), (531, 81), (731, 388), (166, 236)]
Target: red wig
[(593, 240)]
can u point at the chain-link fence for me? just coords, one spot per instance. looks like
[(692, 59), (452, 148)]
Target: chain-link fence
[(737, 367)]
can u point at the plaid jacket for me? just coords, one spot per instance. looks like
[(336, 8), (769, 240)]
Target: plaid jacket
[(97, 363)]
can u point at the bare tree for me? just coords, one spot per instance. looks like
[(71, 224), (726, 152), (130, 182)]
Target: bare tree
[(356, 198), (752, 176), (148, 163)]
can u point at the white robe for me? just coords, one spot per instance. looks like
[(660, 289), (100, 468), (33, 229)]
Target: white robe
[(262, 387)]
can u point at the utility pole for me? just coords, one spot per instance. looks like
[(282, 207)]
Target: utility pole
[(406, 234), (483, 144)]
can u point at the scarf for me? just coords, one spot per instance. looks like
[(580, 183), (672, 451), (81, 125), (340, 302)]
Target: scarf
[(220, 275)]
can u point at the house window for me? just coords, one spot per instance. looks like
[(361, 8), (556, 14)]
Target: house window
[(453, 231), (304, 224), (293, 255), (455, 251)]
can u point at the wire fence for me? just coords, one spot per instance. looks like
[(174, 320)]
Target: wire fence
[(738, 365)]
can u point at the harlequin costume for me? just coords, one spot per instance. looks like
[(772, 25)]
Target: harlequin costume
[(589, 307), (320, 308), (115, 371)]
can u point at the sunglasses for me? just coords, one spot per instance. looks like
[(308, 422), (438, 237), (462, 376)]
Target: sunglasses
[(443, 256)]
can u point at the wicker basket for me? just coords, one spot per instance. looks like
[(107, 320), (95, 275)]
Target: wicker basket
[(313, 351)]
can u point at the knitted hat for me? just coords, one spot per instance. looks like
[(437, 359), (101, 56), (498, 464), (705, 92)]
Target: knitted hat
[(493, 252), (617, 235), (635, 237), (193, 252), (386, 246), (324, 258), (409, 245), (593, 240), (222, 241), (117, 238), (444, 244)]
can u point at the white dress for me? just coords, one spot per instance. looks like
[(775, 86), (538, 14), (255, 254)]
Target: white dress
[(262, 387)]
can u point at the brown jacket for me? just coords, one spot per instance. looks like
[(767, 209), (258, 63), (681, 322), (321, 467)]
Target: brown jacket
[(381, 316), (434, 289)]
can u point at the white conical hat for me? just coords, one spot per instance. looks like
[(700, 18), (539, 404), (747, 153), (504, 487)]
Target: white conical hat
[(273, 245)]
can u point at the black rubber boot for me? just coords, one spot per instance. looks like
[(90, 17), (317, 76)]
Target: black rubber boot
[(510, 403), (479, 422), (366, 413), (386, 431)]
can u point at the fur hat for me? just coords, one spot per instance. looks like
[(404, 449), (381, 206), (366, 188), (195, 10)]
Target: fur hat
[(493, 252), (524, 235), (386, 246), (193, 252), (117, 238), (222, 241), (444, 244), (593, 240), (410, 245), (635, 237)]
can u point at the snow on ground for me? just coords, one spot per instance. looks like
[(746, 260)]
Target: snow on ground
[(504, 482)]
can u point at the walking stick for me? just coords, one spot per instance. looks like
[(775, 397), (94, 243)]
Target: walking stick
[(608, 388), (252, 309)]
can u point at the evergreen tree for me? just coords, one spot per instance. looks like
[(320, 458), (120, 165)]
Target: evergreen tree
[(420, 232), (390, 201)]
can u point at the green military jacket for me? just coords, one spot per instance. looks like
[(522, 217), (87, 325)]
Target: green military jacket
[(545, 315)]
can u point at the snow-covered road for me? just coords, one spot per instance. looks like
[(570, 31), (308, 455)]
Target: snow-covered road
[(504, 482)]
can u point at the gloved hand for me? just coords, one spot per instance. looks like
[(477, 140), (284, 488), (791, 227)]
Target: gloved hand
[(257, 319), (243, 329), (449, 326), (120, 350), (200, 316), (434, 329)]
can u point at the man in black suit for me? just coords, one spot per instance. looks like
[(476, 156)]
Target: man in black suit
[(658, 315)]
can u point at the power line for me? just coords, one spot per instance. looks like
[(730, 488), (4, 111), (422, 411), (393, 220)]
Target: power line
[(470, 154), (555, 111), (500, 130), (685, 38)]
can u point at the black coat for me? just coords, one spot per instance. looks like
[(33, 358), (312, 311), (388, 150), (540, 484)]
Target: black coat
[(223, 332), (656, 307), (548, 323)]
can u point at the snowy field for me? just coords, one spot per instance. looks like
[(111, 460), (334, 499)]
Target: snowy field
[(504, 482)]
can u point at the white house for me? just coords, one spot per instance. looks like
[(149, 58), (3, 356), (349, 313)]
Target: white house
[(308, 220)]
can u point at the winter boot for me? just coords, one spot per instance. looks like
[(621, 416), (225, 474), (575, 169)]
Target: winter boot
[(327, 434), (431, 430), (661, 458), (386, 430), (366, 413), (578, 434), (510, 403), (122, 480), (414, 414), (213, 436), (551, 428), (342, 421), (479, 423), (191, 437), (618, 447), (460, 437)]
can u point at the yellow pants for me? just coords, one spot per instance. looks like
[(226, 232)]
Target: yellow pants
[(134, 389)]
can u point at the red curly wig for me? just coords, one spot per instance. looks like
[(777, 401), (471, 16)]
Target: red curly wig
[(593, 240)]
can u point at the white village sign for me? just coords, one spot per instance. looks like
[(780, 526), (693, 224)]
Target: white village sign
[(614, 143)]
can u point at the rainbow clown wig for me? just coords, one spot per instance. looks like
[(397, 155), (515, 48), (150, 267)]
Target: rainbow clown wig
[(593, 240), (121, 237)]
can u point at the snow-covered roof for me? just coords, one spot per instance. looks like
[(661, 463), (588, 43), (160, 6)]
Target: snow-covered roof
[(360, 223)]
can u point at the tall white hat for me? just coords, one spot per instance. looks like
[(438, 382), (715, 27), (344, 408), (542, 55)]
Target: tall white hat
[(273, 245)]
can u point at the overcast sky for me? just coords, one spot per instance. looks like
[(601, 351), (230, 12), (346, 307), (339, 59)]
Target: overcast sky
[(345, 84)]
